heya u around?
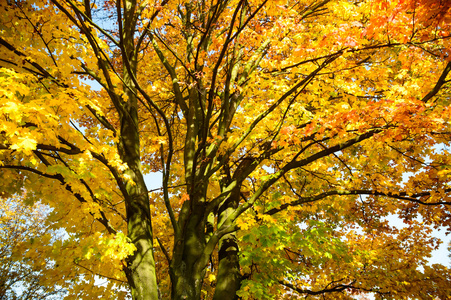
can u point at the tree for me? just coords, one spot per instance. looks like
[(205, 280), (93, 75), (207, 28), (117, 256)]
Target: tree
[(285, 132), (22, 272)]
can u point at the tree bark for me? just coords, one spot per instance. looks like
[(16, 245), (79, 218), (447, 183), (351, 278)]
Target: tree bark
[(140, 269), (187, 268), (229, 276)]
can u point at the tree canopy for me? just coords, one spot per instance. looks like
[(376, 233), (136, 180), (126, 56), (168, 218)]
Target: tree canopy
[(286, 133)]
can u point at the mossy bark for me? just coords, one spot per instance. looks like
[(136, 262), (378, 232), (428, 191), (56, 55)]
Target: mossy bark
[(140, 269)]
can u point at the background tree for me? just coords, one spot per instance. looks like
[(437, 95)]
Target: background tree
[(24, 274), (285, 132)]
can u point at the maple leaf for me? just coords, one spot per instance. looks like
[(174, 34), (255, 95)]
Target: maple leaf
[(26, 144)]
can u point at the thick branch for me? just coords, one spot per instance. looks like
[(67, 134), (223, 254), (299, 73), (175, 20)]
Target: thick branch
[(337, 288), (441, 81), (395, 195)]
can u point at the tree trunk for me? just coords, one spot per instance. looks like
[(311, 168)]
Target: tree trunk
[(140, 270), (229, 276), (187, 266)]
